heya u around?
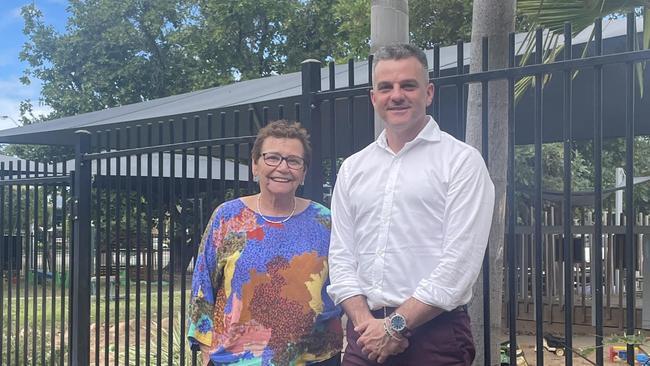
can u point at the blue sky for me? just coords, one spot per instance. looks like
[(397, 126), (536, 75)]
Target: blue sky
[(11, 41)]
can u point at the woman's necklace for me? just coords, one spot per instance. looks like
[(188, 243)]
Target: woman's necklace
[(259, 211)]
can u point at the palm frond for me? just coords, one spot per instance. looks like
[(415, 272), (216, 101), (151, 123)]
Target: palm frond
[(553, 14)]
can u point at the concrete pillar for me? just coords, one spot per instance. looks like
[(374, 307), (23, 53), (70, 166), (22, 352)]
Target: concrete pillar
[(389, 23)]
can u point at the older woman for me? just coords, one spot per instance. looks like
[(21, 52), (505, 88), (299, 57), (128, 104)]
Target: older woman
[(258, 291)]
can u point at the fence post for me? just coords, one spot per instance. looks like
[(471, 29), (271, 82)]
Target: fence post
[(311, 120), (80, 337)]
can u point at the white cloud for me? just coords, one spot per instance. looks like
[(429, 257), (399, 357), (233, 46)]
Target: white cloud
[(12, 92)]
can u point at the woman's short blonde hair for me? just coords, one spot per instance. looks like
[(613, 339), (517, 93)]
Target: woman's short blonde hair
[(283, 129)]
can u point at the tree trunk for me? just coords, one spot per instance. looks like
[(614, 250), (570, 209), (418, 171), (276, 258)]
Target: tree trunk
[(495, 20)]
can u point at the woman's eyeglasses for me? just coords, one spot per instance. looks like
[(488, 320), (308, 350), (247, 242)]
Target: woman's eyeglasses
[(275, 159)]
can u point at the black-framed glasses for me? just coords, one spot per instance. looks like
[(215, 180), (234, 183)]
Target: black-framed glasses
[(275, 159)]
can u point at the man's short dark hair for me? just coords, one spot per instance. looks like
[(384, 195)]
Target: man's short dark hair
[(400, 51)]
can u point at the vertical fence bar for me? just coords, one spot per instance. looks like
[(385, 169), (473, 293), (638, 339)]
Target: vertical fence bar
[(99, 185), (371, 109), (630, 266), (28, 273), (250, 183), (487, 339), (172, 237), (35, 266), (71, 254), (80, 340), (460, 92), (331, 75), (64, 269), (209, 194), (149, 236), (138, 246), (350, 100), (567, 215), (436, 74), (513, 302), (118, 248), (280, 111), (10, 264), (196, 209), (222, 158), (265, 116), (183, 221), (539, 245), (19, 267), (296, 111), (597, 257), (333, 126), (159, 246), (236, 156), (107, 254), (311, 84), (44, 264), (128, 228), (53, 270)]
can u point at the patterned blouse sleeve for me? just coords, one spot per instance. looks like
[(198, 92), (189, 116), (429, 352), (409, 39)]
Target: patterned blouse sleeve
[(204, 287)]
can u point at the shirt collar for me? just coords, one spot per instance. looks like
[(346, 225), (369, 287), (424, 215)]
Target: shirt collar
[(430, 132)]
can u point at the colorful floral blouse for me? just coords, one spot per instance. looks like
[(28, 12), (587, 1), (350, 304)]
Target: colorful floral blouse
[(259, 289)]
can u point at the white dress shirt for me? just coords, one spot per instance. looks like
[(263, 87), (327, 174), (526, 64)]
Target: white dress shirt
[(411, 224)]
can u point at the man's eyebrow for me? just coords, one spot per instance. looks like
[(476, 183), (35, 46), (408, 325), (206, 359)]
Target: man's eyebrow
[(409, 81)]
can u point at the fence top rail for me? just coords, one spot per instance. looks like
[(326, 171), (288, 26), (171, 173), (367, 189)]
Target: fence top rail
[(530, 70), (169, 147), (345, 92), (55, 180)]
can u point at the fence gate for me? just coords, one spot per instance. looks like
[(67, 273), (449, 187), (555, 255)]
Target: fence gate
[(35, 253)]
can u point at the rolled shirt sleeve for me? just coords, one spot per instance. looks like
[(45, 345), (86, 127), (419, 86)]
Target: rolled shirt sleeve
[(343, 264), (467, 222)]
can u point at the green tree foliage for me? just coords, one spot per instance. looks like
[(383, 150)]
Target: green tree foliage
[(243, 38), (112, 53), (442, 21), (327, 30), (582, 170)]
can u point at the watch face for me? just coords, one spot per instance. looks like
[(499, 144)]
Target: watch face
[(398, 322)]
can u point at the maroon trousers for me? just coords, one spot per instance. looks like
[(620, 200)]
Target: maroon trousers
[(445, 340)]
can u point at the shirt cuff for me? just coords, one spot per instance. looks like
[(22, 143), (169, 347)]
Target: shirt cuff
[(338, 294), (439, 298)]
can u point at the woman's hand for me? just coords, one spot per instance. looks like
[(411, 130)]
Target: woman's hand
[(205, 355)]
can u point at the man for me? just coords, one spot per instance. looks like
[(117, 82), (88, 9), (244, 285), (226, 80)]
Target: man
[(411, 216)]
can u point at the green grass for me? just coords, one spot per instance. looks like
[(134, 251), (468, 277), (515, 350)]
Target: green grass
[(34, 323)]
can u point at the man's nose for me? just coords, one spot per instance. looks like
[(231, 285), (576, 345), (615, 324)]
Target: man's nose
[(397, 93)]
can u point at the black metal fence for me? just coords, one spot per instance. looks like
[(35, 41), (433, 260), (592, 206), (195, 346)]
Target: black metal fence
[(97, 262), (35, 259)]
